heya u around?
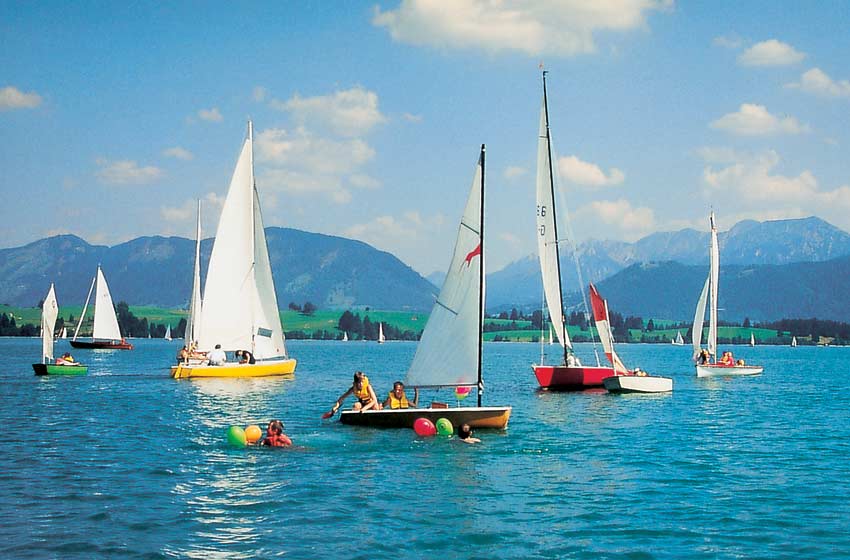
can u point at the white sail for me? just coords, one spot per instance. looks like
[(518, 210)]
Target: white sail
[(679, 339), (193, 324), (794, 341), (167, 333), (447, 354), (547, 231), (105, 320), (345, 337), (64, 333), (49, 313), (240, 307), (381, 337), (551, 341), (603, 327), (714, 275), (752, 339), (699, 316)]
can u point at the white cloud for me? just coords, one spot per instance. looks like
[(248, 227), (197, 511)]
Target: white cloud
[(259, 94), (770, 53), (401, 235), (818, 82), (538, 27), (13, 98), (302, 150), (125, 172), (178, 153), (352, 112), (364, 181), (588, 174), (211, 115), (514, 172), (299, 183), (755, 120), (412, 118), (733, 42), (618, 219), (182, 220)]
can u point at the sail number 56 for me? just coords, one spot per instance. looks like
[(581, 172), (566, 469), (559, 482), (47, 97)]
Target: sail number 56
[(541, 213)]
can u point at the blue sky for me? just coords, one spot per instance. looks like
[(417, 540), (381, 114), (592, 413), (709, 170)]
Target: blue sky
[(115, 117)]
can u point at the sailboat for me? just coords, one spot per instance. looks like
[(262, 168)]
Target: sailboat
[(570, 374), (793, 341), (551, 340), (752, 339), (239, 309), (450, 350), (64, 333), (167, 333), (623, 380), (105, 332), (709, 293), (381, 337), (679, 340), (345, 336), (49, 313), (193, 323)]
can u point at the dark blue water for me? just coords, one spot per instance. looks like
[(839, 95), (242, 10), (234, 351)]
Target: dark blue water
[(126, 462)]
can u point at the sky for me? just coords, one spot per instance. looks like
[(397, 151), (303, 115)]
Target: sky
[(116, 117)]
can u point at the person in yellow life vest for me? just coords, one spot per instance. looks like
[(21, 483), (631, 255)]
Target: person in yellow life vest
[(363, 391), (397, 398), (66, 360)]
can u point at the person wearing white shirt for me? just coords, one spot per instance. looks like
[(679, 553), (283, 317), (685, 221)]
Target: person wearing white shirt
[(217, 357)]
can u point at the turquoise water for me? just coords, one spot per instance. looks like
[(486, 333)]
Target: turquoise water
[(129, 463)]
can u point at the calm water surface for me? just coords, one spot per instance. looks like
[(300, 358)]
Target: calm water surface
[(126, 462)]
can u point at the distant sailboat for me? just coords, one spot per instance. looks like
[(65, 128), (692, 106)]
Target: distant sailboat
[(570, 374), (345, 337), (711, 367), (105, 331), (64, 333), (551, 340), (167, 333), (381, 337), (793, 341), (680, 341), (240, 309), (752, 339), (49, 313)]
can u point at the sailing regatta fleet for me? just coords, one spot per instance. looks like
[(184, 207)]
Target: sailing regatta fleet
[(237, 309)]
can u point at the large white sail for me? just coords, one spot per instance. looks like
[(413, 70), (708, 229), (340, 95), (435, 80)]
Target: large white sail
[(239, 308), (714, 275), (699, 317), (447, 354), (105, 320), (193, 324), (49, 313), (547, 231)]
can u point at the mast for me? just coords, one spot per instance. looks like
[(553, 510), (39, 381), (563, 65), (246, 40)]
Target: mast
[(554, 216), (254, 234), (481, 287), (85, 307)]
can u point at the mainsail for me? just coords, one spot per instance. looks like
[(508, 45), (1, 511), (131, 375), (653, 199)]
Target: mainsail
[(193, 324), (49, 313), (240, 306), (105, 320), (448, 353), (603, 326), (709, 294)]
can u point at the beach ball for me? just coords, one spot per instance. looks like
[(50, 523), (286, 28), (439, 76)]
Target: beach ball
[(236, 436), (462, 392), (424, 427), (444, 427), (253, 433)]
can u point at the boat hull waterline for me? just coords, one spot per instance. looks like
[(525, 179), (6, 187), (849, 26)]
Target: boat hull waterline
[(571, 377), (54, 369), (495, 417), (638, 384), (101, 345), (260, 369), (716, 370)]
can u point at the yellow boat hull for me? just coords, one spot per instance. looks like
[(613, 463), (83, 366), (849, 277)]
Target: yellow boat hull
[(260, 369)]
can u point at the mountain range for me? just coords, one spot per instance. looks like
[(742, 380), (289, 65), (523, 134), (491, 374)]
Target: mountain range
[(769, 270)]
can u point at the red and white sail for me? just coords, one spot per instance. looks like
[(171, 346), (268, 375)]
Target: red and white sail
[(603, 326)]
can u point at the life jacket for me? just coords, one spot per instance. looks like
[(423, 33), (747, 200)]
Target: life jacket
[(363, 392), (398, 403)]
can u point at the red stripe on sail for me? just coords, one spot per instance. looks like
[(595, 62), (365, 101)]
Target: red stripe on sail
[(597, 304), (472, 254)]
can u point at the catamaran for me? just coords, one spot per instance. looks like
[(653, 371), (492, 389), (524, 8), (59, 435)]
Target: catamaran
[(49, 313), (239, 308), (106, 335), (623, 380), (570, 374), (450, 350), (710, 367)]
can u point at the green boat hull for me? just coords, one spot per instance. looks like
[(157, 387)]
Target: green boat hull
[(53, 369)]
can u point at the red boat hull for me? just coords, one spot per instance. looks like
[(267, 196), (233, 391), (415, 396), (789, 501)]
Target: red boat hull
[(102, 345), (571, 378)]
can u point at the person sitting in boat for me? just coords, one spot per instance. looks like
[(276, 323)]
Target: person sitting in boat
[(704, 356), (245, 357), (740, 362), (275, 436), (194, 353), (464, 434), (183, 356), (727, 359), (217, 357), (397, 399), (639, 372), (363, 391), (572, 360), (66, 360)]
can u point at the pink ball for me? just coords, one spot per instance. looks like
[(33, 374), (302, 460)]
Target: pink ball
[(424, 427)]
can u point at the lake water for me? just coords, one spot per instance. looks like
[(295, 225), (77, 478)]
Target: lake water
[(126, 462)]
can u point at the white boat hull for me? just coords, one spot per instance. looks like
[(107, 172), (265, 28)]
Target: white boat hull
[(715, 370), (638, 384)]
